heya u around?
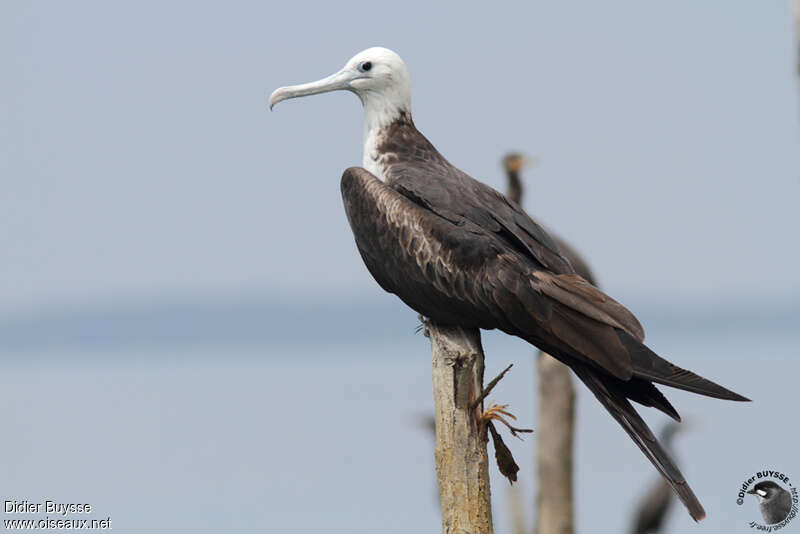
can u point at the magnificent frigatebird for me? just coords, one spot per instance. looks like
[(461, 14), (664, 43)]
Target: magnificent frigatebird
[(458, 252)]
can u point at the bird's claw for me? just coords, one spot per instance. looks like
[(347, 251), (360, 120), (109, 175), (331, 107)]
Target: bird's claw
[(505, 460), (423, 326), (499, 413)]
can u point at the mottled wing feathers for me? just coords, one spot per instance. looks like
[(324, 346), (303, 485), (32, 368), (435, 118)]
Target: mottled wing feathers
[(432, 264), (457, 272), (460, 273), (415, 168)]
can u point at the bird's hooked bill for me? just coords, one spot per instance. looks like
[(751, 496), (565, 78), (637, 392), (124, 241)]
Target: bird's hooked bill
[(334, 82)]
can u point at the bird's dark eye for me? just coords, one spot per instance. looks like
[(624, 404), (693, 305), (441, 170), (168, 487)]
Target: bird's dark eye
[(364, 67)]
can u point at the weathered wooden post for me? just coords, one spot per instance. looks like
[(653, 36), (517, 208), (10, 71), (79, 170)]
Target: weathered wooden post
[(462, 465), (797, 33), (554, 511)]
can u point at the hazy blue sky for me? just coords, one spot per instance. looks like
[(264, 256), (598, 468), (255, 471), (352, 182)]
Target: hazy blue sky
[(139, 157)]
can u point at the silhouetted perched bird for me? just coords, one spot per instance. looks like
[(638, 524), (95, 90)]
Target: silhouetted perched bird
[(775, 502), (513, 163), (462, 254), (655, 504)]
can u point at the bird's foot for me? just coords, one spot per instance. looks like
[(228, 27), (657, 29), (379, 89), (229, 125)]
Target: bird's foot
[(499, 413), (423, 326), (505, 460), (502, 454)]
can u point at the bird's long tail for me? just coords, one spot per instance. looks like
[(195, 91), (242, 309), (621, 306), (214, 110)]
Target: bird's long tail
[(615, 401), (650, 366)]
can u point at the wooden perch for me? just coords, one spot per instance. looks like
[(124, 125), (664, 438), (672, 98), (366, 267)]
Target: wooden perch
[(555, 427), (797, 34), (462, 464)]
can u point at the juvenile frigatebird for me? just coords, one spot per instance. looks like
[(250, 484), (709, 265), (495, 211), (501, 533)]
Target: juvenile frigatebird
[(458, 252)]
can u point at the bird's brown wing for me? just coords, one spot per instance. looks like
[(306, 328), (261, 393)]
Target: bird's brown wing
[(415, 168), (432, 264), (573, 291), (469, 204), (461, 273), (467, 200)]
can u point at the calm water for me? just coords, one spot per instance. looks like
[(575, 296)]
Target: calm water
[(300, 431)]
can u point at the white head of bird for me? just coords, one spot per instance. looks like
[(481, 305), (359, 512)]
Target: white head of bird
[(380, 79)]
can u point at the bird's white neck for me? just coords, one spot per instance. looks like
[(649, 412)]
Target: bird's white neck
[(380, 111)]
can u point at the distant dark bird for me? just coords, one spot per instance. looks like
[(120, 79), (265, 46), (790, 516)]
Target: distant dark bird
[(775, 502), (460, 253), (513, 163), (655, 504)]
